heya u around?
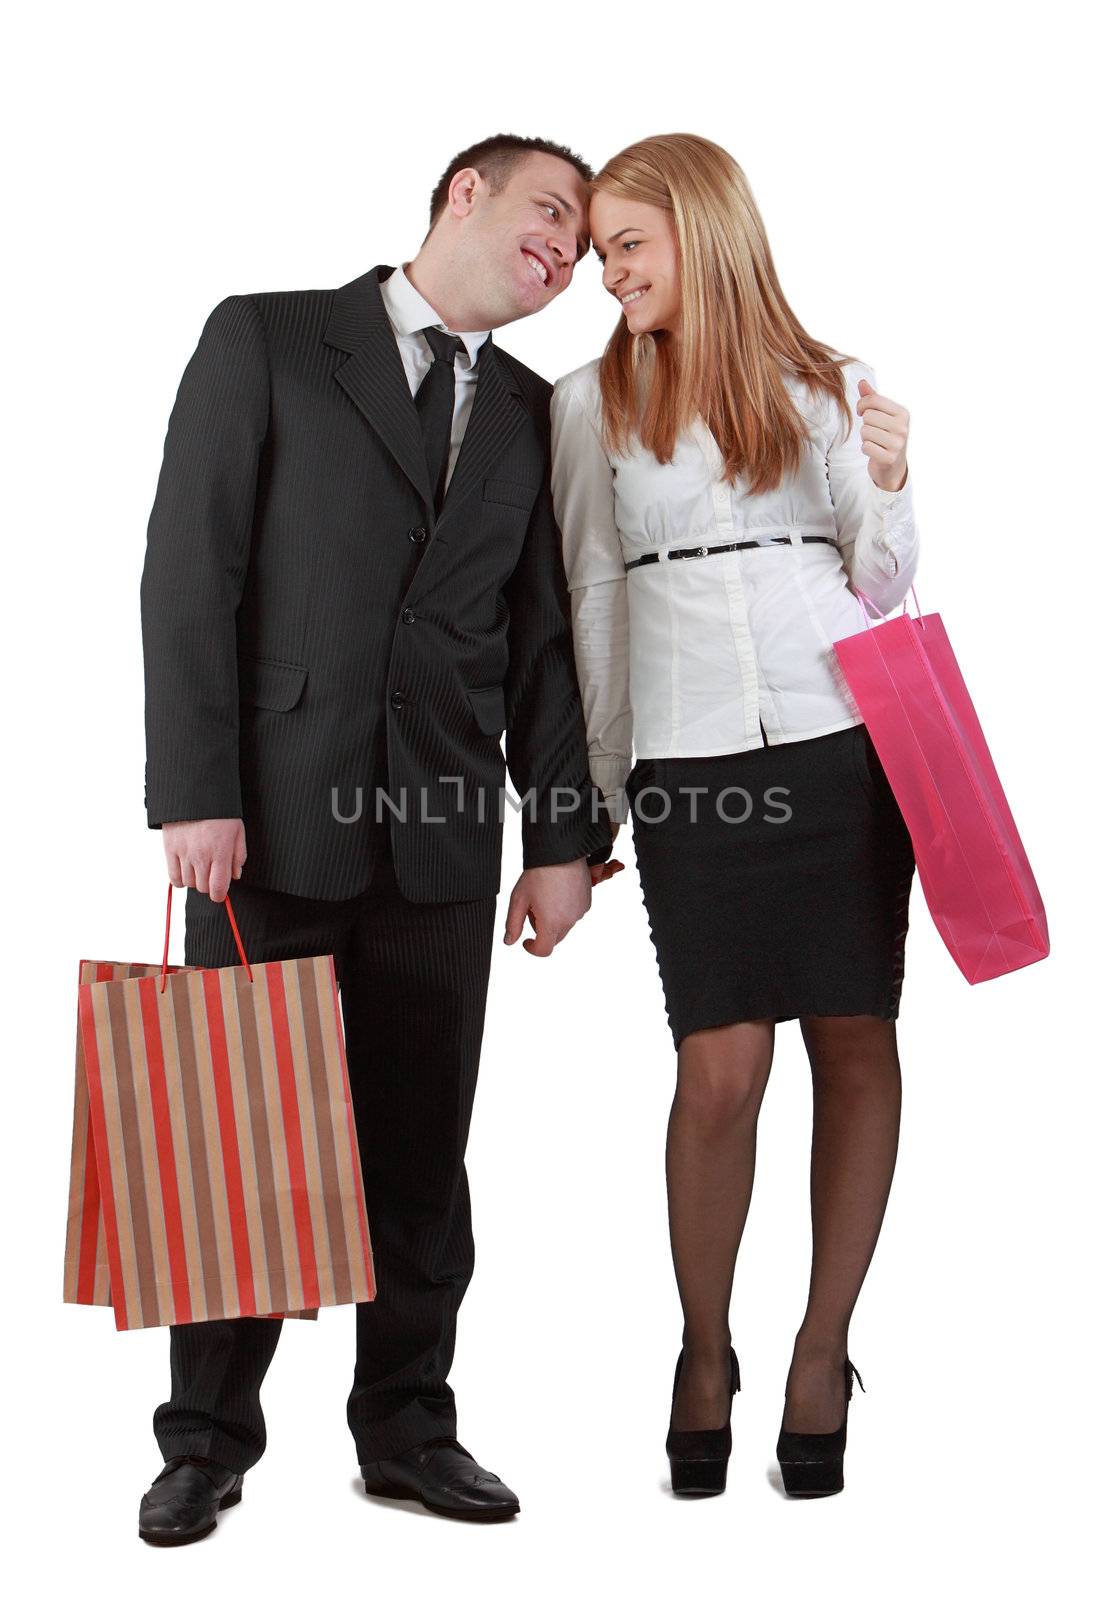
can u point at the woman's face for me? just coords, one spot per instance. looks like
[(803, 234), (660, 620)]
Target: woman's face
[(638, 249)]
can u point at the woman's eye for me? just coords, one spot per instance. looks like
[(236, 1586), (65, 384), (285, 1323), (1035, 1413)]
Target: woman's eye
[(629, 244)]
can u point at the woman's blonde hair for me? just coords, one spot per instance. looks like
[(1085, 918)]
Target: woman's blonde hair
[(739, 337)]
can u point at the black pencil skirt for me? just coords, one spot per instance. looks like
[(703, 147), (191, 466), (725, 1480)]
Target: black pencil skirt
[(777, 881)]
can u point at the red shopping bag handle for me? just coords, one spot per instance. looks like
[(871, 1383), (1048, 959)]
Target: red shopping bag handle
[(883, 614), (235, 934)]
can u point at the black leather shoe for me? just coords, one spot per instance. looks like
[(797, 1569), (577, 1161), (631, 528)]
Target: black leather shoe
[(445, 1478), (183, 1502)]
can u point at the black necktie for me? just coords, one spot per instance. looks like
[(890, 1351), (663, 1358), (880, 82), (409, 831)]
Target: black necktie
[(434, 403)]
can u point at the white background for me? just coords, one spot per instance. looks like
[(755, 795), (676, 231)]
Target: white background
[(934, 184)]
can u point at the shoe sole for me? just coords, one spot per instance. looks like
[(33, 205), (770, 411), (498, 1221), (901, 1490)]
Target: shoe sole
[(169, 1540), (698, 1485), (698, 1479), (810, 1481), (389, 1491)]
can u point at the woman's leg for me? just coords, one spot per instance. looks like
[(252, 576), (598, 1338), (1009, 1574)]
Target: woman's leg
[(857, 1093), (710, 1163)]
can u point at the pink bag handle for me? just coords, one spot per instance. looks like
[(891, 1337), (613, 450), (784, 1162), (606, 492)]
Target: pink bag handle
[(235, 933), (883, 614)]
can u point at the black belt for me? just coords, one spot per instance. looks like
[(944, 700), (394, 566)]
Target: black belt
[(700, 550)]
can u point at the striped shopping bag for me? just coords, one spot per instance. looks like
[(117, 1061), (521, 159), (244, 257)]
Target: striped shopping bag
[(214, 1162)]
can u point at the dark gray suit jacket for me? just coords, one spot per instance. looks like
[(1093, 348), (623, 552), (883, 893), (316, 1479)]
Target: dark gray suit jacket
[(313, 633)]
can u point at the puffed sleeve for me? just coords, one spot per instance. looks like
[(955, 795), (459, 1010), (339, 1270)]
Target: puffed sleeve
[(581, 481), (876, 529)]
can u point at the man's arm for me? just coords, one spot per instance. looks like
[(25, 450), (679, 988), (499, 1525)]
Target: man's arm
[(545, 737), (198, 542)]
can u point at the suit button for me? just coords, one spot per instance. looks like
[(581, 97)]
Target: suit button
[(416, 535), (397, 701), (408, 615)]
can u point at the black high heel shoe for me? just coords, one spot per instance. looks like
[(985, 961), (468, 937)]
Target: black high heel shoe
[(699, 1456), (813, 1464)]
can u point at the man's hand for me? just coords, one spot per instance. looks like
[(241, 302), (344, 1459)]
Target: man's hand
[(554, 898), (205, 855)]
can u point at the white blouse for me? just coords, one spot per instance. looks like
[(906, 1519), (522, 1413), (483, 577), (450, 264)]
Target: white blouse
[(691, 657)]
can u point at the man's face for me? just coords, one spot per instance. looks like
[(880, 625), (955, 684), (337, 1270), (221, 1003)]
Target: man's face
[(522, 245)]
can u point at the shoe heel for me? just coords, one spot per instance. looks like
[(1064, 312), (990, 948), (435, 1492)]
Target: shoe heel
[(698, 1477), (809, 1480), (231, 1499), (376, 1483)]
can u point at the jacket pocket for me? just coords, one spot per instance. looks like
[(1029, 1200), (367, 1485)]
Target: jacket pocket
[(488, 708), (271, 685), (506, 492)]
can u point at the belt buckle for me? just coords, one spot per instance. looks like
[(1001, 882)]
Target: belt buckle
[(694, 555)]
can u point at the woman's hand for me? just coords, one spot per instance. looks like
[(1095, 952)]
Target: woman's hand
[(607, 869), (884, 427)]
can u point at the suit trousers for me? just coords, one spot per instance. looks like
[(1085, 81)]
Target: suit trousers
[(413, 982)]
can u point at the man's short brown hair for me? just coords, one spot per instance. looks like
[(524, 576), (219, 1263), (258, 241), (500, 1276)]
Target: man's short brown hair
[(496, 159)]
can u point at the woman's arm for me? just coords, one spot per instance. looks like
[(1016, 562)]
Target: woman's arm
[(876, 529), (581, 480)]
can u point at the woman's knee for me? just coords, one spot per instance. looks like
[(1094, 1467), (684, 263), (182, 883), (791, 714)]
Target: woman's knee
[(720, 1078), (851, 1054)]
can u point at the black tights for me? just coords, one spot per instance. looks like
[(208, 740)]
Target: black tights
[(710, 1157)]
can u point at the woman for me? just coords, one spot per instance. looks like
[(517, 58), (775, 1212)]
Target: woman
[(726, 485)]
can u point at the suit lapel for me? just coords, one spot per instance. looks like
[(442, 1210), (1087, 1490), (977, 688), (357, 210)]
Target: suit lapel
[(373, 376), (497, 415), (374, 379)]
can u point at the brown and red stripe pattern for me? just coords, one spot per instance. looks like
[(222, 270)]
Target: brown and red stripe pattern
[(215, 1169)]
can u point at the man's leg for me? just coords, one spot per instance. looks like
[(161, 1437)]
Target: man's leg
[(217, 1367), (413, 989)]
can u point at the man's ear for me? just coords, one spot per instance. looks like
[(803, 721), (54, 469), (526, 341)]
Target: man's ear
[(464, 190)]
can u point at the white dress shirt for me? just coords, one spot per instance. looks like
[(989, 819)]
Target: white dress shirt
[(693, 657), (409, 314)]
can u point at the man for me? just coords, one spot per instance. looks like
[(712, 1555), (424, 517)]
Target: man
[(353, 586)]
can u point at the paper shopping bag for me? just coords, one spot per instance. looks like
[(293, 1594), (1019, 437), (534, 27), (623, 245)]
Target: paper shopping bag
[(978, 883), (214, 1162)]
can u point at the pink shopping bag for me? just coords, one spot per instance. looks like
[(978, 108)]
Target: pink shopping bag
[(974, 872)]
